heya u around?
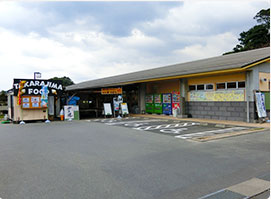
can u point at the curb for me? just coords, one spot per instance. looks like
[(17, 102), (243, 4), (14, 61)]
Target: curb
[(245, 190), (226, 135)]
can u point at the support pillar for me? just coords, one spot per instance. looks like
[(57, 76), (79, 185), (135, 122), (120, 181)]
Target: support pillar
[(142, 95)]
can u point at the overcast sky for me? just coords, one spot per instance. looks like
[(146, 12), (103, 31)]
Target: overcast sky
[(90, 40)]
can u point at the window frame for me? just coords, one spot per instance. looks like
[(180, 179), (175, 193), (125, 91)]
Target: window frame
[(236, 85), (192, 85), (241, 87), (200, 85), (221, 88), (205, 87)]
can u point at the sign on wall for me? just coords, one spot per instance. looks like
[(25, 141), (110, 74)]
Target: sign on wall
[(111, 91), (31, 102), (34, 87), (222, 96)]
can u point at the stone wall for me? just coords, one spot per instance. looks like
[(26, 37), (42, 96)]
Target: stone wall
[(235, 111)]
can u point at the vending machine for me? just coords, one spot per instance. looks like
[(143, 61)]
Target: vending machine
[(176, 100), (167, 106), (149, 104), (158, 108)]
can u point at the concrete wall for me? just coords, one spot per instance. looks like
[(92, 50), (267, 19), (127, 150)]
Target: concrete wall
[(236, 111), (252, 78)]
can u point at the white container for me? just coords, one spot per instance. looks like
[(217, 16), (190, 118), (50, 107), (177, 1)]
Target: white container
[(174, 112)]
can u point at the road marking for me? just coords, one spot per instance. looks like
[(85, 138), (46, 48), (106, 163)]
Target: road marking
[(211, 194), (165, 126), (113, 119), (205, 133), (173, 131), (131, 122)]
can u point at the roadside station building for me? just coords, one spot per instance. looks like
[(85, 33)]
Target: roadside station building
[(220, 87)]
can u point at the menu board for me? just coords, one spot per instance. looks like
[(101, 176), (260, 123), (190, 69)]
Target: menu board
[(31, 102)]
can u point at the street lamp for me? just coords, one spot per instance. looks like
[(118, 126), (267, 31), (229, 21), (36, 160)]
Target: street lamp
[(37, 75)]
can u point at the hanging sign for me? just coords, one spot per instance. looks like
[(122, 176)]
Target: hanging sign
[(111, 91), (44, 96)]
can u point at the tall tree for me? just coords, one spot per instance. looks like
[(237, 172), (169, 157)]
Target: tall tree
[(3, 97), (256, 37), (66, 81)]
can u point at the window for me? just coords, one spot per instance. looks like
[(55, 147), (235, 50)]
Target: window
[(241, 84), (200, 87), (192, 87), (221, 86), (231, 85), (209, 86)]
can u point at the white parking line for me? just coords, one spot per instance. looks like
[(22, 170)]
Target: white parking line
[(131, 122), (173, 131), (205, 133), (165, 126)]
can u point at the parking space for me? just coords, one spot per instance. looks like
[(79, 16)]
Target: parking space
[(178, 129)]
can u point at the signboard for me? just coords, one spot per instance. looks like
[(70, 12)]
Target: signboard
[(31, 102), (124, 109), (68, 112), (34, 87), (111, 91), (71, 112), (221, 96), (107, 109), (116, 102), (260, 104)]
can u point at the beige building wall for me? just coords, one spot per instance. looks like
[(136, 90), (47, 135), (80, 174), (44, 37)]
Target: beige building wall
[(23, 114), (166, 86)]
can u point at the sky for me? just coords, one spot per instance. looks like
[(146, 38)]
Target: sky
[(91, 40)]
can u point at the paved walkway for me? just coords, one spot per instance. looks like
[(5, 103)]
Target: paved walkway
[(248, 189), (225, 122)]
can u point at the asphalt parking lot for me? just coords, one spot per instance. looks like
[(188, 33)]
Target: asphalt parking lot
[(178, 129), (94, 160)]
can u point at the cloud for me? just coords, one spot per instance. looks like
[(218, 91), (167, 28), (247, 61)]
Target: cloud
[(214, 44), (89, 40)]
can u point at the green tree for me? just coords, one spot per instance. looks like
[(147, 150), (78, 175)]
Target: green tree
[(3, 97), (66, 81), (256, 37)]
